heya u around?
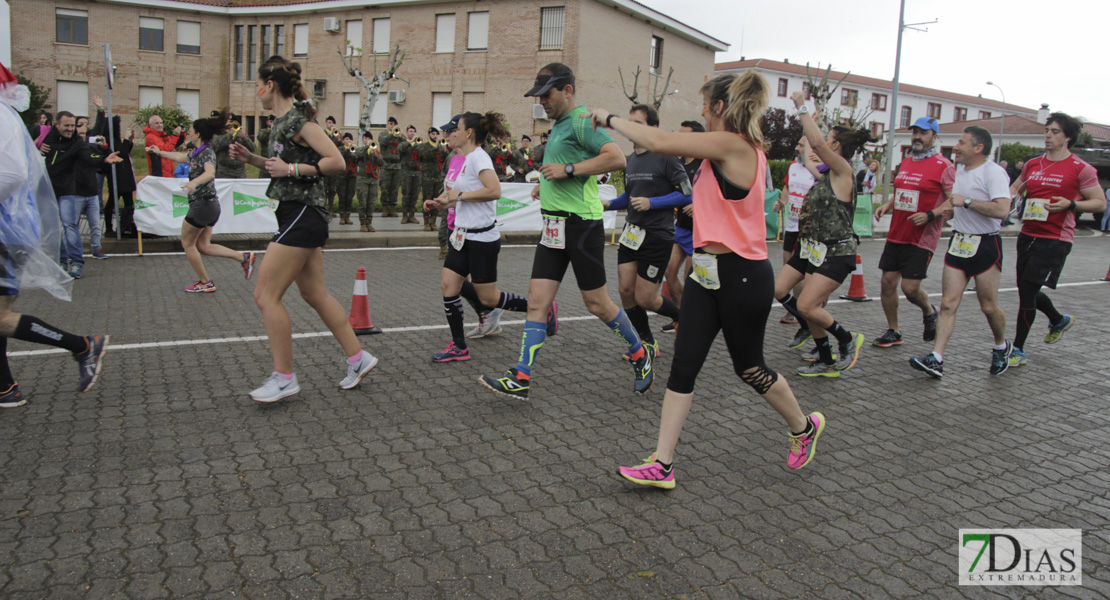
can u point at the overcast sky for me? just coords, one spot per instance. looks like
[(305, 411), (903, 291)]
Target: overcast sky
[(1052, 51)]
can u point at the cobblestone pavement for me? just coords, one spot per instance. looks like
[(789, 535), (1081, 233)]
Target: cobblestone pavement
[(168, 481)]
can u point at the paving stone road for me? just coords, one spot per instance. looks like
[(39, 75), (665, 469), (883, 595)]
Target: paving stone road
[(168, 481)]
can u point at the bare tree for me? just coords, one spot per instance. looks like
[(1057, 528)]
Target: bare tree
[(374, 86), (657, 96), (852, 115)]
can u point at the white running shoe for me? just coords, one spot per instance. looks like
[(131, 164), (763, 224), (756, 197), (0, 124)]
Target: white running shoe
[(357, 371), (489, 324), (275, 388)]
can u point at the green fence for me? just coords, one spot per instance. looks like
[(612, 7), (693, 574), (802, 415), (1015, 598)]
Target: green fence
[(862, 223)]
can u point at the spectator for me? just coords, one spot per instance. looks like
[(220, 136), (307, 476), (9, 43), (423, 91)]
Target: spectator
[(1015, 171), (125, 174), (166, 142), (45, 124)]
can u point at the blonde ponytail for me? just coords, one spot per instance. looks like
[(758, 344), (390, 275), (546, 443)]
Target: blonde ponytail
[(745, 98)]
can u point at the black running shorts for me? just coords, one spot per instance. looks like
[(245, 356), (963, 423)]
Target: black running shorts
[(837, 268), (476, 259), (1041, 260), (584, 251), (300, 225), (203, 213), (986, 256), (651, 257), (911, 261)]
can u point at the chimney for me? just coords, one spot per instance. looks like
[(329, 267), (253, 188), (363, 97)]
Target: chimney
[(786, 60), (1042, 114)]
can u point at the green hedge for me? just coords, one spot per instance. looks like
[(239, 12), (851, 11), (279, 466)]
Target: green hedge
[(778, 173)]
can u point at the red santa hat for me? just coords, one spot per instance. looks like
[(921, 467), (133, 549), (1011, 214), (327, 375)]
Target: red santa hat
[(6, 77)]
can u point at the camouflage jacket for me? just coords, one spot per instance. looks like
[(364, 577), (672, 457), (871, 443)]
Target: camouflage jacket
[(390, 149), (369, 162), (264, 142), (523, 162), (826, 219), (227, 167), (430, 159), (348, 153), (304, 190), (407, 152)]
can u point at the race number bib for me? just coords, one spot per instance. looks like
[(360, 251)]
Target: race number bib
[(272, 204), (705, 271), (1035, 210), (964, 246), (906, 200), (796, 207), (458, 238), (632, 237), (554, 233), (814, 252)]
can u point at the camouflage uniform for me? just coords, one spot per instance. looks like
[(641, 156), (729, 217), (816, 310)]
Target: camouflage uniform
[(522, 163), (824, 218), (303, 190), (347, 184), (226, 167), (410, 180), (501, 159), (264, 150), (332, 182), (537, 155), (369, 165), (391, 172), (431, 169)]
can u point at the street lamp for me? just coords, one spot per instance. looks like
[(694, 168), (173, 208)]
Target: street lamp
[(1002, 124)]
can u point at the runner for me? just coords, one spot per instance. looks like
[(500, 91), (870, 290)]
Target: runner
[(924, 180), (302, 153), (475, 243), (204, 208), (826, 246), (654, 185), (1058, 186), (732, 283), (800, 178), (683, 233), (981, 197), (573, 232)]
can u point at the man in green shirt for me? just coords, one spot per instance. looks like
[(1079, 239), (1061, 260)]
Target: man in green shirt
[(573, 233)]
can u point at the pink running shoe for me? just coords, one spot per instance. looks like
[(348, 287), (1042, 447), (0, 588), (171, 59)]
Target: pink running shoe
[(248, 264), (201, 287), (803, 447), (649, 473), (451, 353)]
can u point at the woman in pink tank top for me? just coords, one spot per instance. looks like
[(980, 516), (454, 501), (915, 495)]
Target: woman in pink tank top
[(731, 287)]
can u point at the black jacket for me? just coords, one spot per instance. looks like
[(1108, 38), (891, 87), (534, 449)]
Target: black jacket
[(70, 163), (125, 172)]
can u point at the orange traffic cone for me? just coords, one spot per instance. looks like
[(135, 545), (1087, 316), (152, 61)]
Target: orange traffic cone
[(1107, 278), (666, 292), (360, 307), (856, 293)]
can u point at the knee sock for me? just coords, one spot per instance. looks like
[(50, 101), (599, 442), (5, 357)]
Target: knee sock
[(842, 335), (668, 309), (1044, 304), (824, 349), (624, 330), (454, 309), (639, 319), (513, 302), (530, 343), (790, 303), (6, 380), (1027, 311), (471, 296), (32, 329)]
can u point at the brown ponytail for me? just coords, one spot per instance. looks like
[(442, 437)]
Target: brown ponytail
[(212, 126), (491, 124), (745, 98), (851, 140), (287, 79)]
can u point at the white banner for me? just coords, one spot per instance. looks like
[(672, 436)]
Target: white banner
[(161, 205), (517, 211)]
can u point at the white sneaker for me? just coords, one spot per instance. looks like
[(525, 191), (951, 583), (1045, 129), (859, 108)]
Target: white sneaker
[(357, 371), (489, 324), (275, 388)]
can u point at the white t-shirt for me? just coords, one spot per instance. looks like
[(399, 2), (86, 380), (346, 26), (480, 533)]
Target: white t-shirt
[(475, 215), (798, 182), (982, 184)]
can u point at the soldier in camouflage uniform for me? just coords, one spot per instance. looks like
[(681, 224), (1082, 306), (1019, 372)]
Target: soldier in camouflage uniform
[(347, 179), (368, 159), (227, 167), (410, 176), (537, 152), (502, 157), (522, 160), (264, 149), (389, 142), (431, 173), (331, 182)]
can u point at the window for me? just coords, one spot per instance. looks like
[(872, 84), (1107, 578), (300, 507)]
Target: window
[(959, 114), (188, 37), (983, 114), (477, 35), (250, 124), (379, 112), (907, 114), (279, 40), (265, 42), (351, 109), (149, 96), (381, 40), (150, 34), (73, 96), (252, 49), (72, 26), (656, 62), (238, 76), (441, 108), (189, 101), (877, 129), (300, 39), (354, 38), (806, 89), (551, 28), (783, 84), (878, 101), (849, 97), (933, 110), (445, 33)]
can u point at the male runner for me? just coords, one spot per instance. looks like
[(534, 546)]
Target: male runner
[(799, 179)]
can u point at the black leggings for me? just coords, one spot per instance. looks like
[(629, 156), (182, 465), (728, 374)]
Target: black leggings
[(1030, 300), (740, 308)]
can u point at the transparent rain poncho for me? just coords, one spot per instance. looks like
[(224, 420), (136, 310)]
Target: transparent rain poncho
[(30, 226)]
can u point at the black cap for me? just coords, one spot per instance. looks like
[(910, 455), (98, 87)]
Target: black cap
[(545, 82), (452, 124)]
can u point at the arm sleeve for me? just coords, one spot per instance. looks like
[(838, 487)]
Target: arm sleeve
[(619, 203), (671, 200)]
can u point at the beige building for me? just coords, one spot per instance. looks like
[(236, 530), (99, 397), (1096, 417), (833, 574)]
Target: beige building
[(460, 55)]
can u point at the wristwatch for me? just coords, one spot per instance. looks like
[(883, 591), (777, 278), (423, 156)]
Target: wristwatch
[(967, 202), (569, 169), (803, 109), (459, 197)]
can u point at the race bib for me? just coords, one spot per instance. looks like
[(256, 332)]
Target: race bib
[(705, 271), (1035, 210), (814, 252), (272, 204), (964, 246), (632, 237), (554, 233), (796, 207), (458, 238), (906, 200)]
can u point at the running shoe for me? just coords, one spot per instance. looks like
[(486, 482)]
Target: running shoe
[(451, 353), (489, 323), (789, 319), (75, 270), (849, 353), (930, 332), (645, 376), (929, 364), (201, 287), (649, 473), (888, 339), (1000, 359), (248, 264), (800, 338), (357, 371), (12, 397), (1056, 331), (99, 254), (275, 388), (653, 345), (90, 361), (670, 327), (804, 447), (509, 385), (1017, 357), (552, 319), (813, 355), (819, 369)]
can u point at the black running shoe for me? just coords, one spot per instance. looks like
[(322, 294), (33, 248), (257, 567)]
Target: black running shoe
[(670, 327), (929, 364), (645, 375), (12, 397), (90, 361), (930, 332), (888, 339), (800, 338), (1000, 359), (509, 385)]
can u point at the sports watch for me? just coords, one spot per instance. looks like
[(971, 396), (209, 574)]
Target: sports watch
[(967, 202), (569, 169)]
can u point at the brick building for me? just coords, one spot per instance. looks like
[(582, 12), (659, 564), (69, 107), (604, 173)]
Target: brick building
[(461, 55)]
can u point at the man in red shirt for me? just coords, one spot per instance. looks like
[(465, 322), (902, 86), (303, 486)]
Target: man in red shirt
[(166, 142), (923, 184), (1057, 186)]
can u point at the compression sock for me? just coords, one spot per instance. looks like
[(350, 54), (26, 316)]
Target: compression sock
[(842, 335), (790, 303), (32, 329), (624, 330), (668, 309), (6, 380), (530, 343), (454, 309), (824, 349), (1044, 304), (639, 319), (513, 302)]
